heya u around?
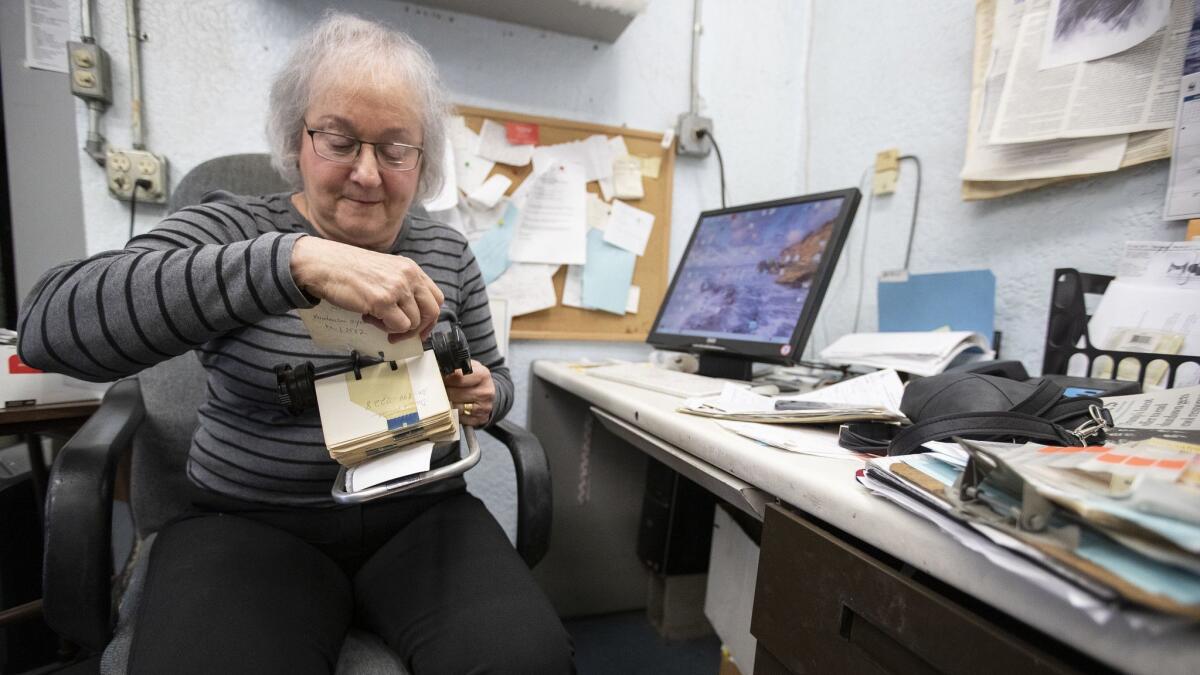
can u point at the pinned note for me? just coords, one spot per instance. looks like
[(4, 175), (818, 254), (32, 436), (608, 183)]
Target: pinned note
[(491, 250), (553, 223), (486, 196), (333, 327), (635, 299), (597, 212), (628, 227), (521, 133), (651, 166), (526, 288), (446, 198), (494, 145), (573, 287), (607, 275), (627, 178)]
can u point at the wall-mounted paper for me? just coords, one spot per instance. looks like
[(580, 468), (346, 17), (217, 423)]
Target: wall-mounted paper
[(651, 166), (607, 275), (573, 287), (491, 250), (487, 195), (447, 198), (627, 178), (597, 212), (333, 327), (594, 154), (628, 227), (526, 288), (635, 299), (553, 224), (494, 145)]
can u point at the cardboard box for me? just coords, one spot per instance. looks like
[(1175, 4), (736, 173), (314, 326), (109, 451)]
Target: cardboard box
[(22, 385)]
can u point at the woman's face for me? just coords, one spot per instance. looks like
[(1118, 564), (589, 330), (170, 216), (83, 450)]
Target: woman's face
[(359, 203)]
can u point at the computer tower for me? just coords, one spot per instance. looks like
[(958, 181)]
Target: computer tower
[(676, 525)]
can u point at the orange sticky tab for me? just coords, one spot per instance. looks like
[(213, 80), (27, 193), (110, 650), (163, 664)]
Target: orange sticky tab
[(1112, 458), (1172, 463), (1095, 448), (1049, 450), (521, 133), (1140, 461)]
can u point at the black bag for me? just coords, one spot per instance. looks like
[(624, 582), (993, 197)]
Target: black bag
[(986, 408)]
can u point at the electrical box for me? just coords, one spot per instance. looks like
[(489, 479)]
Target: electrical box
[(694, 135), (88, 70), (123, 168), (887, 171)]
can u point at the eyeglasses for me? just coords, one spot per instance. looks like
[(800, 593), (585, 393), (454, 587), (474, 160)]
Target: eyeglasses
[(344, 149)]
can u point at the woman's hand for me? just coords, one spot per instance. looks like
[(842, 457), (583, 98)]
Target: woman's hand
[(473, 394), (390, 291)]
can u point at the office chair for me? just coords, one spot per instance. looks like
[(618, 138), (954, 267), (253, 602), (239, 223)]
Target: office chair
[(154, 413)]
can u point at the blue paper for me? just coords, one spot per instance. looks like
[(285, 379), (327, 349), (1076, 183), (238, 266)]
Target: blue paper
[(607, 275), (960, 300), (491, 250)]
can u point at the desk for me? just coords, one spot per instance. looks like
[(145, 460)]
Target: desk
[(58, 420), (564, 401)]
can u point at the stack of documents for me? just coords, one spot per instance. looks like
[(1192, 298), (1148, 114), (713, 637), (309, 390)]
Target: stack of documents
[(870, 397), (1101, 527), (920, 353), (384, 410)]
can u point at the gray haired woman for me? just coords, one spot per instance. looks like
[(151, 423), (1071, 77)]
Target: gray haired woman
[(266, 574)]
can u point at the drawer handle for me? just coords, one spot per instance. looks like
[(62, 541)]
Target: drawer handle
[(877, 645)]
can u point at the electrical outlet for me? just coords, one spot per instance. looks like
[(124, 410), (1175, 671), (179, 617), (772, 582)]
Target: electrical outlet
[(694, 132), (89, 71), (124, 168), (887, 172)]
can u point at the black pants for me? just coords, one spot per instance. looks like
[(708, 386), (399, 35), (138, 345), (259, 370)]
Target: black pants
[(237, 588)]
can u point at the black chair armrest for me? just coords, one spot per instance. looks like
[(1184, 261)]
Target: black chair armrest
[(77, 568), (535, 501)]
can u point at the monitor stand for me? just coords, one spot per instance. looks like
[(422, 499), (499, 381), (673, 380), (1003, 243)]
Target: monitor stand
[(726, 367)]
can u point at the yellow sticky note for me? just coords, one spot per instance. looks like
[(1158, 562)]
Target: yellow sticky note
[(385, 392), (651, 166)]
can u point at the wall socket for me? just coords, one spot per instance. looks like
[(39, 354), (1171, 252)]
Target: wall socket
[(124, 167), (89, 71), (691, 142)]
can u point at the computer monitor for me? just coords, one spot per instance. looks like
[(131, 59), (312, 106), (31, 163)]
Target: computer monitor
[(751, 281)]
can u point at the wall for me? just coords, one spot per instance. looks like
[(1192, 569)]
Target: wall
[(887, 74), (39, 125)]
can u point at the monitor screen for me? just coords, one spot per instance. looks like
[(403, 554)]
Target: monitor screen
[(752, 278)]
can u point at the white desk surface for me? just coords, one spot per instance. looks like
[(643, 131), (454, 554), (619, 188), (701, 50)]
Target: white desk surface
[(826, 489)]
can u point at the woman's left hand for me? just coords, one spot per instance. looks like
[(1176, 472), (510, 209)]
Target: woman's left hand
[(472, 394)]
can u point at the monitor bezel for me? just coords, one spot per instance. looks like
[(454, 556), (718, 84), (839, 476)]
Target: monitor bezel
[(763, 351)]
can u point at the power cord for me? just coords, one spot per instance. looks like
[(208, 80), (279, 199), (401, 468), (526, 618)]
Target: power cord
[(145, 184), (720, 160), (912, 228)]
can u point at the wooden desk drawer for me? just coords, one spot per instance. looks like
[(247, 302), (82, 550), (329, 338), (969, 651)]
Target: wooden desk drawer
[(822, 605)]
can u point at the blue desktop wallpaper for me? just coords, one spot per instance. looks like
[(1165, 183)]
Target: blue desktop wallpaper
[(747, 275)]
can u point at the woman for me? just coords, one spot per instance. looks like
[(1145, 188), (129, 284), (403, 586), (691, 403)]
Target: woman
[(267, 574)]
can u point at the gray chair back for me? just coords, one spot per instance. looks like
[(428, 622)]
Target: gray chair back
[(247, 174)]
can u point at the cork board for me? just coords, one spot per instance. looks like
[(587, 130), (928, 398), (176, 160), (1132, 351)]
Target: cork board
[(650, 271)]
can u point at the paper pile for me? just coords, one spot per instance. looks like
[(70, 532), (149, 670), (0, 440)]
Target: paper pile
[(870, 397), (920, 353)]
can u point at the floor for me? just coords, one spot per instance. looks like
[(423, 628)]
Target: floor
[(626, 644)]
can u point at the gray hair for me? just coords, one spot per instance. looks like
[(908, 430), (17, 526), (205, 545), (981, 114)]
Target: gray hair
[(351, 47)]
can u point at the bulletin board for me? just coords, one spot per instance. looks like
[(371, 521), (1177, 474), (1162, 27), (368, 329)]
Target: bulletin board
[(650, 270)]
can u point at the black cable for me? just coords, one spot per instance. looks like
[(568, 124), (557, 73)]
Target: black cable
[(139, 183), (912, 228), (720, 160)]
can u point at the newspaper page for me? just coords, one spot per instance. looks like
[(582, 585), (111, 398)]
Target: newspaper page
[(1086, 31), (1026, 160), (1183, 187), (1135, 90)]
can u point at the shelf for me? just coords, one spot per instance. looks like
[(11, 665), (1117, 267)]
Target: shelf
[(561, 16)]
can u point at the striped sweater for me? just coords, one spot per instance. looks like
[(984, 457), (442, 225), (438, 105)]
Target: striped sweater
[(216, 278)]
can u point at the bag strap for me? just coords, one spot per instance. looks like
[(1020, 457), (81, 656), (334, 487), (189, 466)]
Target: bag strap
[(872, 438), (1002, 424), (1044, 396)]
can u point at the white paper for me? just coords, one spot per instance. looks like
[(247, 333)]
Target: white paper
[(919, 352), (333, 327), (881, 389), (526, 289), (447, 198), (488, 195), (397, 464), (627, 178), (47, 30), (344, 420), (553, 224), (1022, 161), (573, 287), (1088, 31), (1129, 304), (616, 145), (494, 145), (470, 170), (628, 227), (1183, 190), (597, 212), (797, 439), (635, 299), (1135, 90), (594, 154), (501, 323), (1175, 264)]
